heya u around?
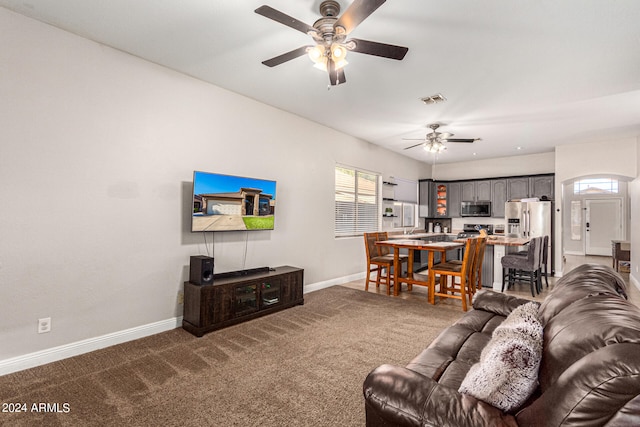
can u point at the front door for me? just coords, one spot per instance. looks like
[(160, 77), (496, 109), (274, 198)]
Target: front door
[(603, 224)]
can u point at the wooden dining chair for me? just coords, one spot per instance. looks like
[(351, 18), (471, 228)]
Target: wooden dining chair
[(476, 272), (380, 258), (462, 271)]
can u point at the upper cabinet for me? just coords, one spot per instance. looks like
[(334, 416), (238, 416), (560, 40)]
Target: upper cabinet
[(454, 197), (531, 186), (542, 186), (442, 199), (483, 190), (498, 197), (474, 191), (467, 191), (518, 188)]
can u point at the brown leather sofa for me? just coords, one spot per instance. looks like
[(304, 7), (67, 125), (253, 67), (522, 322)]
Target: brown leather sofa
[(589, 374)]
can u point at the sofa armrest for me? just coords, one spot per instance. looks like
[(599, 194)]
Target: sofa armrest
[(497, 302), (401, 397)]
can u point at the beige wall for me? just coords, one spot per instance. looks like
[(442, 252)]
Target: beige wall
[(609, 157), (97, 156), (503, 166)]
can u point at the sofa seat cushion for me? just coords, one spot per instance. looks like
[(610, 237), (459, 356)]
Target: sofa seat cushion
[(448, 358), (506, 375)]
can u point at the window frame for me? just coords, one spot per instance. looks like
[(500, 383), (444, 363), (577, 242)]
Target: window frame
[(365, 215)]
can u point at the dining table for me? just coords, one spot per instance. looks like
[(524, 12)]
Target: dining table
[(412, 245)]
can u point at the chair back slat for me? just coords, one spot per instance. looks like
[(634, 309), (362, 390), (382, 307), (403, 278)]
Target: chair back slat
[(468, 259), (477, 268)]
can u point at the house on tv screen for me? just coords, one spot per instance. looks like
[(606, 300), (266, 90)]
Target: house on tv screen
[(247, 201)]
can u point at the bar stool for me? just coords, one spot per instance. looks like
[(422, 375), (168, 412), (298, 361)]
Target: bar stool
[(544, 259), (519, 267)]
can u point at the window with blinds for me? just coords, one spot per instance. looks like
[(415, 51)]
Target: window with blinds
[(357, 209)]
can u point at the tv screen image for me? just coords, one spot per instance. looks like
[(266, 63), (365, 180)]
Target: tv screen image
[(232, 203)]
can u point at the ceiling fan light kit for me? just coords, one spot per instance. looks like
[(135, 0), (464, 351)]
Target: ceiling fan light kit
[(434, 147), (320, 55), (330, 35), (434, 142)]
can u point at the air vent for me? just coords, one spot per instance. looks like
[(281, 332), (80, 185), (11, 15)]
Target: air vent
[(433, 99)]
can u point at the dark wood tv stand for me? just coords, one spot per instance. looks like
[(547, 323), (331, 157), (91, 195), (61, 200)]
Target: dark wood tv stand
[(238, 296)]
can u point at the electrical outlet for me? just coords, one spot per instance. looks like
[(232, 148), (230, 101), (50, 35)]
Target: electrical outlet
[(44, 325), (181, 297)]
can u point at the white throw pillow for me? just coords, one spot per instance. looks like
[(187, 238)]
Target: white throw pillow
[(507, 373)]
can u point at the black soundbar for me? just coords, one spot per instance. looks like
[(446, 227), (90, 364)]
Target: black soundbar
[(241, 273)]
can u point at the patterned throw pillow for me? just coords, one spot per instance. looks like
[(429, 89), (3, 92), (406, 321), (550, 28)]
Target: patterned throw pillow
[(507, 373)]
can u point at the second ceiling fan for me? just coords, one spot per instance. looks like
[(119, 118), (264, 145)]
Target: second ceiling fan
[(434, 141), (330, 36)]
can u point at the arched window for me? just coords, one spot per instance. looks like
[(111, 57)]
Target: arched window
[(596, 186)]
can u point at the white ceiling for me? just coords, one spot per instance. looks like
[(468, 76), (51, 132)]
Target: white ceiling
[(529, 73)]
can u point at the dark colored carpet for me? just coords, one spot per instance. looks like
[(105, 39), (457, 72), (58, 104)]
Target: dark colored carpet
[(303, 366)]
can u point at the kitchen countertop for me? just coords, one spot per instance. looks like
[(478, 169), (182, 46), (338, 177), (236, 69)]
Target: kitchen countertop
[(421, 235), (491, 240), (503, 241)]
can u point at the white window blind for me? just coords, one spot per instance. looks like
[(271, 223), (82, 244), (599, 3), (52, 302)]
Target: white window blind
[(357, 209)]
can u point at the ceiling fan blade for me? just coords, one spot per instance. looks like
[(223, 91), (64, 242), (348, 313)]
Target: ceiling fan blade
[(277, 60), (336, 75), (276, 15), (357, 12), (341, 77), (460, 140), (413, 146), (378, 49)]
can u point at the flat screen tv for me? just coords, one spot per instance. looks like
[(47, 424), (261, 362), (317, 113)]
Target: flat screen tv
[(232, 203)]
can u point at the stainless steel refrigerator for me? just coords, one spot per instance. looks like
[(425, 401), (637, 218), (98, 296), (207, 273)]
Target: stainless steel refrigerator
[(530, 219)]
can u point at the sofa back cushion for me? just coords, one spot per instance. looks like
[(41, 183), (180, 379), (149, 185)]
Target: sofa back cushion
[(590, 370), (583, 281)]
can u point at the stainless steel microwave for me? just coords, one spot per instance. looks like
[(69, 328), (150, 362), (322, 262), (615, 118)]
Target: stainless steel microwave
[(475, 209)]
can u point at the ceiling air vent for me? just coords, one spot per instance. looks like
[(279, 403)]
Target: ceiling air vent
[(433, 99)]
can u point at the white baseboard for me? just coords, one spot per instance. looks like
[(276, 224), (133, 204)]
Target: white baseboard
[(54, 354), (337, 281)]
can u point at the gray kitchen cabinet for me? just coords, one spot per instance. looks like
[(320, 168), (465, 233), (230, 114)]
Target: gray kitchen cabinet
[(498, 197), (473, 191), (440, 200), (468, 191), (518, 188), (454, 199), (540, 186), (483, 190)]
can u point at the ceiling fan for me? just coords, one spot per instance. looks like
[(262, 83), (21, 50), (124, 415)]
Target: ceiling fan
[(434, 141), (330, 36)]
